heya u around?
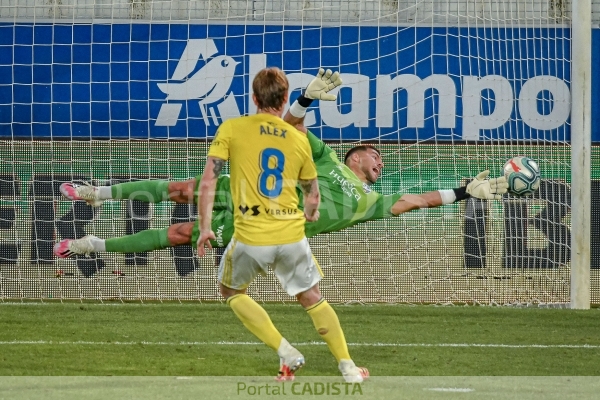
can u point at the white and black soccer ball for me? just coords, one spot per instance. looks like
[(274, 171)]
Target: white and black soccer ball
[(522, 175)]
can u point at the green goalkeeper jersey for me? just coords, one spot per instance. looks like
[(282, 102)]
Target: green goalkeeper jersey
[(345, 199)]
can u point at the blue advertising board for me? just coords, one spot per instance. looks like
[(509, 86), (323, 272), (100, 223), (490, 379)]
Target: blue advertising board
[(182, 80)]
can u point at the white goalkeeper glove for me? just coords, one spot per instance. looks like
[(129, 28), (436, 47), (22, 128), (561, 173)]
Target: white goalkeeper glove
[(487, 189), (319, 87)]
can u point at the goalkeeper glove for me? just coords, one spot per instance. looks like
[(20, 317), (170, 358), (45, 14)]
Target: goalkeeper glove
[(487, 189), (322, 84)]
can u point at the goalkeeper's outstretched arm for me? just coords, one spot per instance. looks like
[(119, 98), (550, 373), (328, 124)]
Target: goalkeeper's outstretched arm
[(480, 188)]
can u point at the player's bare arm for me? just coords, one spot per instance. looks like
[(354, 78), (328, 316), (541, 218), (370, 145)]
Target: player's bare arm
[(410, 202), (479, 188), (295, 121), (312, 199), (206, 199)]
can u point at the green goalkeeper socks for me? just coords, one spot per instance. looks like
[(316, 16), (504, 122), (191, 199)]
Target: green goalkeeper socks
[(151, 239), (146, 191)]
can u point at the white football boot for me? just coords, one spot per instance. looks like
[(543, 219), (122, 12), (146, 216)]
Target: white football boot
[(69, 247), (352, 373), (290, 361), (85, 192)]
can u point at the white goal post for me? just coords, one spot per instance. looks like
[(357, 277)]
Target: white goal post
[(109, 91), (581, 115)]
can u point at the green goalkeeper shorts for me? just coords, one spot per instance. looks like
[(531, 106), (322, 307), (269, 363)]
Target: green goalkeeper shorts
[(222, 226), (223, 200), (222, 217)]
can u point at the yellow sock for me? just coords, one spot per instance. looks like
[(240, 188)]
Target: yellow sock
[(256, 319), (328, 325)]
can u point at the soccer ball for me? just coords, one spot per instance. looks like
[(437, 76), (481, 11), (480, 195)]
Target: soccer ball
[(522, 175)]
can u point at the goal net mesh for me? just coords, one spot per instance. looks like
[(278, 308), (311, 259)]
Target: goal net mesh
[(112, 91)]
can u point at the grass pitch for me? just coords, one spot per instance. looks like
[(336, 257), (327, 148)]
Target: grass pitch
[(206, 340)]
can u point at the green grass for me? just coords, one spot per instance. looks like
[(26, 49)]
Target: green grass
[(142, 351), (144, 339)]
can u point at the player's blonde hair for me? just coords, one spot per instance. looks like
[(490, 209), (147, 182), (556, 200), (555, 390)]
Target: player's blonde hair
[(270, 87)]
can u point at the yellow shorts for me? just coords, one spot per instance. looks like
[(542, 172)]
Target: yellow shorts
[(293, 265)]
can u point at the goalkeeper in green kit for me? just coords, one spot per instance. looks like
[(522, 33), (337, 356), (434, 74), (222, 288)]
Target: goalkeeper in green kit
[(346, 196)]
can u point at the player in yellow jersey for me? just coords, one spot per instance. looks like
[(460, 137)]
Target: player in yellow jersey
[(268, 156), (268, 159)]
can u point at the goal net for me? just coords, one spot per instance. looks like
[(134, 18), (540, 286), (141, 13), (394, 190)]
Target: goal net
[(120, 90)]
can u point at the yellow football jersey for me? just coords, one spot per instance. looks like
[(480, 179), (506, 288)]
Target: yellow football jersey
[(267, 157)]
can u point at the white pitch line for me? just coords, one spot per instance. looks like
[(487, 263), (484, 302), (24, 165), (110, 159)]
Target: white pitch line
[(484, 345)]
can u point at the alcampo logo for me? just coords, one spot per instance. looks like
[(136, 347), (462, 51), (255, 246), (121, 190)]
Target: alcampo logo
[(458, 98), (210, 85)]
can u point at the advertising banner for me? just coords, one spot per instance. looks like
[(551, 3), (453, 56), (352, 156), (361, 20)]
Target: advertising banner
[(181, 81)]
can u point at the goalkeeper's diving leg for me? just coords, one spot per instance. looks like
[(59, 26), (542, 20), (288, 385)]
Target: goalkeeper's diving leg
[(147, 191), (152, 239)]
